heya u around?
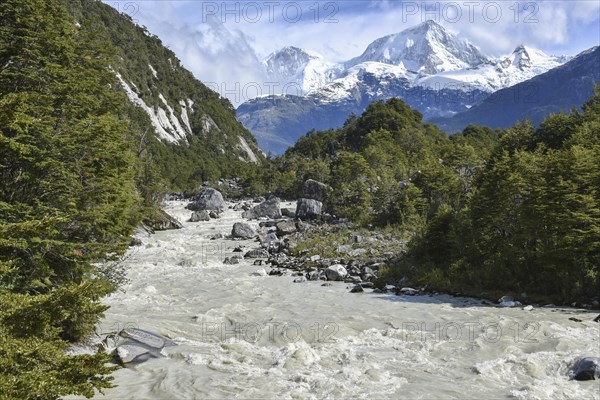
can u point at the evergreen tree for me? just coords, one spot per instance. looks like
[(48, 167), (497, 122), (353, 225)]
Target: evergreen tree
[(67, 197)]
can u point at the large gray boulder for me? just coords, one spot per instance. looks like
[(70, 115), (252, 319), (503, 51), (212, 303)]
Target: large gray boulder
[(267, 209), (257, 253), (336, 272), (315, 190), (267, 238), (308, 209), (286, 228), (357, 289), (242, 230), (198, 216), (209, 199), (586, 369)]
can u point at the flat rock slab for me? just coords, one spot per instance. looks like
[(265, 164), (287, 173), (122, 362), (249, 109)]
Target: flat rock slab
[(140, 345)]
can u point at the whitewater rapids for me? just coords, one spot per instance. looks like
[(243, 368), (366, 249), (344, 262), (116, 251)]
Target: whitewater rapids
[(263, 337)]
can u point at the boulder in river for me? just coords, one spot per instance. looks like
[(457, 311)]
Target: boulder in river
[(508, 301), (308, 208), (128, 353), (209, 199), (408, 291), (276, 272), (267, 209), (198, 216), (357, 289), (242, 230), (161, 221), (336, 272), (140, 345), (260, 272), (586, 369), (257, 253), (231, 260)]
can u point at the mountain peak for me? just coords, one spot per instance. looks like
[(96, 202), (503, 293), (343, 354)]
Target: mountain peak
[(427, 48), (427, 25), (287, 62), (520, 48), (525, 57), (289, 52), (295, 66)]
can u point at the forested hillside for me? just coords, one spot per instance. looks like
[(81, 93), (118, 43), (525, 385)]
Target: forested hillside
[(69, 166), (189, 130), (514, 210), (97, 121)]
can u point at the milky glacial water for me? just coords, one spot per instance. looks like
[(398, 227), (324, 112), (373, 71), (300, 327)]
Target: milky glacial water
[(262, 337)]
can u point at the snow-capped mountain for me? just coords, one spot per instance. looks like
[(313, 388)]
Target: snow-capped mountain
[(561, 89), (522, 64), (424, 49), (294, 66), (428, 67)]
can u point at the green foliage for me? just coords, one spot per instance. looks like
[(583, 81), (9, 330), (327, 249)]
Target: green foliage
[(353, 181), (385, 167), (213, 150), (68, 197), (35, 368), (533, 222), (514, 210)]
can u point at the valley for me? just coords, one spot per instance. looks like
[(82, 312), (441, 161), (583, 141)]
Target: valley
[(420, 219)]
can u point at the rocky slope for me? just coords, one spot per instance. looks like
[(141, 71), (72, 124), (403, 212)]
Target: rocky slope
[(192, 131)]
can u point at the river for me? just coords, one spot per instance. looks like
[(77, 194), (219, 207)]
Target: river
[(264, 337)]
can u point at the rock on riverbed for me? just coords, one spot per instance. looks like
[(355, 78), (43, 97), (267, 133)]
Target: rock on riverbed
[(138, 345), (586, 369)]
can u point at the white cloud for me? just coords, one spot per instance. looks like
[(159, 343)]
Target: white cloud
[(222, 58), (226, 48)]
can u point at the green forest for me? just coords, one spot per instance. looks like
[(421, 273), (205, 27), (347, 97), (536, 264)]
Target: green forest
[(68, 197), (484, 210)]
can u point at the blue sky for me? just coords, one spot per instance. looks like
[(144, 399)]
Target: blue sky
[(223, 41)]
